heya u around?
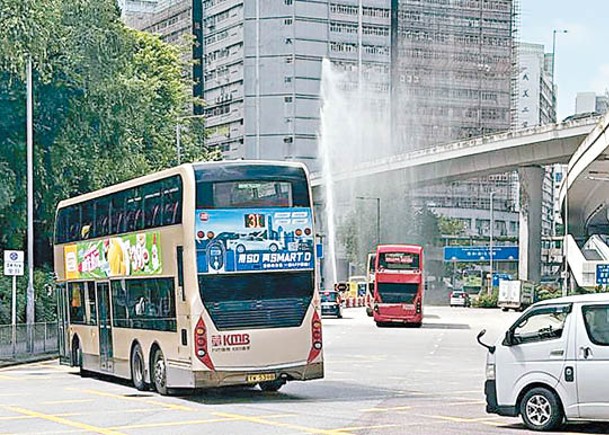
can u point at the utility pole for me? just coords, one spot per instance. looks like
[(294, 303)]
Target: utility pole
[(30, 308), (490, 250)]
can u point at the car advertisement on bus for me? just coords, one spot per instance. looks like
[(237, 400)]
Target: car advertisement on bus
[(129, 255), (247, 240)]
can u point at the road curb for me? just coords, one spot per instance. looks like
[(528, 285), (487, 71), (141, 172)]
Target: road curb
[(27, 360)]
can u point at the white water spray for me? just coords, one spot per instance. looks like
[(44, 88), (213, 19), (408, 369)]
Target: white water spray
[(325, 151)]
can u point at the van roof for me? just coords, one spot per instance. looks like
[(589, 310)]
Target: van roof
[(590, 297)]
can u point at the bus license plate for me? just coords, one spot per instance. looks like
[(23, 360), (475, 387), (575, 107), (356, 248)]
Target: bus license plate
[(260, 377), (407, 307)]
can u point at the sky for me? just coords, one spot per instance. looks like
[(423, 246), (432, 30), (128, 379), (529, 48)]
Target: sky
[(582, 59)]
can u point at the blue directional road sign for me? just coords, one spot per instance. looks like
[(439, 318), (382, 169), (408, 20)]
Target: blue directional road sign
[(602, 274), (480, 253)]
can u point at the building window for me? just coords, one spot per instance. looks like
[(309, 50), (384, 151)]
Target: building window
[(287, 99), (288, 21)]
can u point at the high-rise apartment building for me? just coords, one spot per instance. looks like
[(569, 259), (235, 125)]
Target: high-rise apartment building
[(536, 105), (261, 63), (135, 11), (452, 79), (589, 102), (452, 70)]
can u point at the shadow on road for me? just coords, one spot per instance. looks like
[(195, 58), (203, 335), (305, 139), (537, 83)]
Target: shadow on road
[(572, 428), (317, 391)]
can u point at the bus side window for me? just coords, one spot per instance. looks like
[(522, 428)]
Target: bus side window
[(62, 225), (119, 301), (102, 217), (87, 220), (172, 201), (134, 218), (117, 217), (92, 312), (74, 223), (152, 205), (77, 302)]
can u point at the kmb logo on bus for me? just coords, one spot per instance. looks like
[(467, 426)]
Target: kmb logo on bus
[(230, 340)]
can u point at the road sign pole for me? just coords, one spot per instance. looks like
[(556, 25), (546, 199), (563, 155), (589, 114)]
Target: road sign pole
[(14, 316)]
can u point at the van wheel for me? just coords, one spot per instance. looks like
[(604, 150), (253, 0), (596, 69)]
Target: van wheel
[(541, 410), (137, 368), (369, 312), (159, 373)]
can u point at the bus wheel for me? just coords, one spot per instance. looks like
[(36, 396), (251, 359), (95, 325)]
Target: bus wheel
[(77, 358), (137, 368), (272, 386), (159, 372)]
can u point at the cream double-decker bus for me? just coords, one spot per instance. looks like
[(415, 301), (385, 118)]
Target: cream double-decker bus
[(198, 276)]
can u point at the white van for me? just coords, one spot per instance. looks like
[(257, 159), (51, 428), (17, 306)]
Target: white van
[(552, 364)]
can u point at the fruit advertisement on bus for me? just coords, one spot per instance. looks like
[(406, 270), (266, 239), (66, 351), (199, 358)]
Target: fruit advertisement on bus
[(130, 255), (247, 240)]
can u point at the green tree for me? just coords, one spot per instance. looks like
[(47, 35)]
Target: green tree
[(106, 102), (450, 226)]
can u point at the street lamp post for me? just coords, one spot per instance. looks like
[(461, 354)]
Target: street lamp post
[(490, 250), (378, 215), (179, 134), (554, 32)]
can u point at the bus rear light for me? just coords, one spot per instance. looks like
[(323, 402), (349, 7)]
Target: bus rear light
[(307, 231), (376, 307), (200, 234), (200, 343), (298, 232), (210, 235), (419, 307), (316, 338)]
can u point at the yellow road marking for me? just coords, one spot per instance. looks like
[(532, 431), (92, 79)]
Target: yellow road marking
[(191, 422), (264, 421), (380, 426), (61, 402), (9, 378), (25, 417), (63, 421), (174, 423), (460, 419), (140, 400), (396, 408)]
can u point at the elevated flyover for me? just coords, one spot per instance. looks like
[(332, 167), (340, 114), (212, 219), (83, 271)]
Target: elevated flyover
[(585, 205), (491, 154), (526, 150)]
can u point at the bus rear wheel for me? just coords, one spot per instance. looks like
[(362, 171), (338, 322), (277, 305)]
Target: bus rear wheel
[(272, 386), (159, 372), (137, 368)]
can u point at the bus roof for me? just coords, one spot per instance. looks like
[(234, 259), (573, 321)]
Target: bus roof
[(415, 249), (182, 169)]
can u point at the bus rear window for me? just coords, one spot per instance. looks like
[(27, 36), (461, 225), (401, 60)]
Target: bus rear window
[(251, 186), (252, 194), (399, 261)]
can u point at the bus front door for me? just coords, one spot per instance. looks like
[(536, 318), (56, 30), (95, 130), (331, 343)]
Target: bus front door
[(105, 327), (63, 338)]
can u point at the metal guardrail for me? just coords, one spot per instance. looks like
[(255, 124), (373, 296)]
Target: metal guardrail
[(45, 339)]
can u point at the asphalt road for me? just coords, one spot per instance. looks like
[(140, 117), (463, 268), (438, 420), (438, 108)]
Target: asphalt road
[(378, 382)]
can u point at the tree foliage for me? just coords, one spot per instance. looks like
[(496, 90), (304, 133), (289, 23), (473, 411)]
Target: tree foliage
[(106, 103), (107, 100)]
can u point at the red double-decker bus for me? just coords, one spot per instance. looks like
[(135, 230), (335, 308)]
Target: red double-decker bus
[(399, 285)]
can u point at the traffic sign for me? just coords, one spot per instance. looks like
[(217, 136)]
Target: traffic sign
[(602, 274), (13, 263), (480, 253)]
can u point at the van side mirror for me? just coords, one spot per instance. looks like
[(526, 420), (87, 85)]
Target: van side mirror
[(509, 338), (491, 349)]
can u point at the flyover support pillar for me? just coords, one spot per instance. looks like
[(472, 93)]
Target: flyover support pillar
[(529, 240)]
